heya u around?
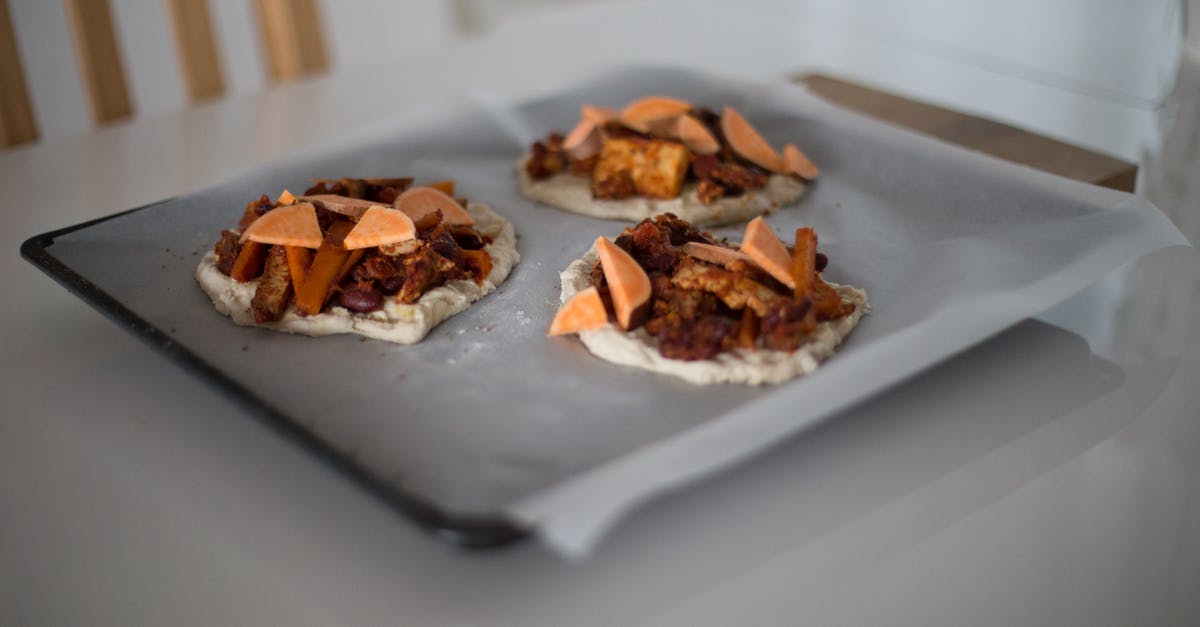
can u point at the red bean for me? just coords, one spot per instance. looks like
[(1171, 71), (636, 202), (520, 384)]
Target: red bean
[(360, 300)]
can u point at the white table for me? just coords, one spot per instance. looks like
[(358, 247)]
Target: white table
[(1049, 476)]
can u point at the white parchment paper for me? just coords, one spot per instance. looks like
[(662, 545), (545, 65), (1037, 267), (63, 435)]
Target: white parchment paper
[(487, 417)]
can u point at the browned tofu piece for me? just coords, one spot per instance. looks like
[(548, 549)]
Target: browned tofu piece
[(652, 168), (274, 287)]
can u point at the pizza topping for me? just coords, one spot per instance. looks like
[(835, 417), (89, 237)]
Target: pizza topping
[(583, 141), (350, 207), (704, 297), (291, 225), (420, 201), (656, 144), (696, 136), (627, 282), (326, 266), (641, 115), (652, 168), (598, 115), (746, 141), (379, 190), (379, 226), (285, 198), (298, 258), (249, 262), (446, 187), (584, 311), (761, 245), (716, 255), (799, 164), (804, 263)]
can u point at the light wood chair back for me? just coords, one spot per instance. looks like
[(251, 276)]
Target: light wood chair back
[(291, 32)]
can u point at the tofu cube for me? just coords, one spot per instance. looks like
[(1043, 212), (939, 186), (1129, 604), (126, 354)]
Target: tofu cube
[(651, 168)]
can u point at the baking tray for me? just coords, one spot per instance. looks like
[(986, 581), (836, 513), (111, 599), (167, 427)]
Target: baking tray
[(488, 430)]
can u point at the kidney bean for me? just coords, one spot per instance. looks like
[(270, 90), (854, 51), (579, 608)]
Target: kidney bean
[(360, 300)]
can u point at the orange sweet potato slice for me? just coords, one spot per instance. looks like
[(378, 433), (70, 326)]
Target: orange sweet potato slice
[(583, 141), (292, 225), (718, 255), (583, 312), (799, 164), (598, 115), (446, 187), (323, 272), (627, 283), (746, 141), (639, 115), (379, 226), (298, 259), (420, 201), (696, 136), (804, 262), (762, 245), (249, 262)]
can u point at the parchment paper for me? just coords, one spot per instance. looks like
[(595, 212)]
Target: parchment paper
[(487, 416)]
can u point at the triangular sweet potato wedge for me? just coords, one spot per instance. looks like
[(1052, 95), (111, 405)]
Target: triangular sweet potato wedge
[(583, 141), (293, 225), (799, 164), (419, 201), (627, 282), (696, 136), (764, 247), (640, 114), (379, 226), (584, 311), (746, 141)]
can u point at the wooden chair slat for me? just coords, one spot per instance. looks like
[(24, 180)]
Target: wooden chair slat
[(197, 49), (17, 124), (295, 39), (99, 59)]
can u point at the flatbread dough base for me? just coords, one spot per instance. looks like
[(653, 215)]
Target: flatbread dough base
[(395, 322), (573, 192), (754, 367)]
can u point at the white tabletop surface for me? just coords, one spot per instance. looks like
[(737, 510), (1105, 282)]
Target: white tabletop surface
[(1048, 476)]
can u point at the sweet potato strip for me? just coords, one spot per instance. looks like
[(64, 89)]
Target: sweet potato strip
[(352, 260), (827, 304), (249, 262), (446, 187), (324, 271), (747, 336), (804, 262), (298, 258)]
